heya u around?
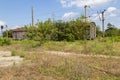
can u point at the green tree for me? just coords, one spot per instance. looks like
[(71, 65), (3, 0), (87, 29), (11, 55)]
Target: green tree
[(58, 30), (98, 32), (111, 30), (7, 33)]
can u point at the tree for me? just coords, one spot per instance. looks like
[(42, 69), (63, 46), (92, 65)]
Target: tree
[(111, 30), (7, 33), (44, 31), (58, 30), (98, 32)]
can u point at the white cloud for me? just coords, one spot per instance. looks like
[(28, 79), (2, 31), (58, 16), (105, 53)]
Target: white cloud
[(109, 13), (111, 9), (2, 23), (112, 15), (15, 27), (81, 3), (69, 15)]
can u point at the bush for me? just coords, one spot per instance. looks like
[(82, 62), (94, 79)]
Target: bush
[(20, 53), (117, 39), (70, 37), (13, 53), (5, 41)]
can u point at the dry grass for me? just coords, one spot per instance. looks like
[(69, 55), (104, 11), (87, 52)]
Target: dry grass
[(44, 66), (39, 65), (85, 47)]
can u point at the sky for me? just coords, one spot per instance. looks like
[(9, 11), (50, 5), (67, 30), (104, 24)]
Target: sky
[(17, 13)]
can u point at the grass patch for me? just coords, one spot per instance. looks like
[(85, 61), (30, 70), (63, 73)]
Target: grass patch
[(98, 46), (20, 53)]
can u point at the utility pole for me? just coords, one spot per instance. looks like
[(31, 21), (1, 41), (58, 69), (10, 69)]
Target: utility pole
[(53, 16), (32, 11), (86, 12), (7, 31), (2, 29), (103, 22)]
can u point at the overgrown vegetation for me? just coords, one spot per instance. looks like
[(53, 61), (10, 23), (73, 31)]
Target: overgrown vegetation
[(102, 46), (58, 30), (63, 31), (44, 66), (112, 31), (41, 65), (5, 41), (64, 37), (66, 31)]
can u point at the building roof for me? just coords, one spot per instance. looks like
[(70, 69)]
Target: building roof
[(18, 30)]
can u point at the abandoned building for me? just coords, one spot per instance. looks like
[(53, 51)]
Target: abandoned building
[(91, 31), (18, 34)]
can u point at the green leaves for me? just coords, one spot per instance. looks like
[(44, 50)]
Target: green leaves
[(59, 30), (5, 41), (112, 30)]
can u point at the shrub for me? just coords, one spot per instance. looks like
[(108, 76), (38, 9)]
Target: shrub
[(5, 41), (117, 39), (13, 53), (70, 37), (20, 53)]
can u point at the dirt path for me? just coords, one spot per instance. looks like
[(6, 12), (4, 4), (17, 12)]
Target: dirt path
[(82, 55), (6, 59)]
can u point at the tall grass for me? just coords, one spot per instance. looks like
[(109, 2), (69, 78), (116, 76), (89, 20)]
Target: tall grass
[(55, 67), (103, 46), (46, 66)]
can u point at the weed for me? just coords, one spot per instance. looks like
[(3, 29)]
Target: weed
[(20, 53), (5, 41)]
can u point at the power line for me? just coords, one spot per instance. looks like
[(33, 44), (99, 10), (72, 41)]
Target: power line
[(99, 15)]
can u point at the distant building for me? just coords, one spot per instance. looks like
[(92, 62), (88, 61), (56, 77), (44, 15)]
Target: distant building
[(18, 34), (91, 31)]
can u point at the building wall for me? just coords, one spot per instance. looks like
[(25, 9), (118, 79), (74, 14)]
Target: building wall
[(91, 31), (19, 35)]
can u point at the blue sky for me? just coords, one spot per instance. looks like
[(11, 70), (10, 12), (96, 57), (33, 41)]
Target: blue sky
[(17, 13)]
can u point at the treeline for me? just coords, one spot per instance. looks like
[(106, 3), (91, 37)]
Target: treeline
[(112, 31), (60, 30)]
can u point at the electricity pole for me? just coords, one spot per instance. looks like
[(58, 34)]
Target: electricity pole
[(103, 22), (53, 16), (2, 29), (7, 31), (32, 11), (86, 12)]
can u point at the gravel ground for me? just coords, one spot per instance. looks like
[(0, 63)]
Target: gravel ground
[(7, 60)]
